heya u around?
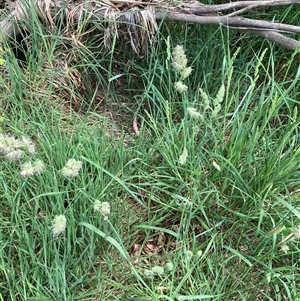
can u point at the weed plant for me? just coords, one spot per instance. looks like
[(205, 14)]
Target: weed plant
[(202, 204)]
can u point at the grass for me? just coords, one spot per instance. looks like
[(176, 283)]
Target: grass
[(203, 206)]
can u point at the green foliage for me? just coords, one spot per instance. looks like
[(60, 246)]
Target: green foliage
[(202, 205)]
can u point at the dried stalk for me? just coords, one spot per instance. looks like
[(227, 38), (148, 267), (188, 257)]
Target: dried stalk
[(187, 11)]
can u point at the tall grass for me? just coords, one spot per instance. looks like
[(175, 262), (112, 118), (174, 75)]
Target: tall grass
[(203, 202)]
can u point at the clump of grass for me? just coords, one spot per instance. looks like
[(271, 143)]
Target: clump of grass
[(203, 204), (219, 154)]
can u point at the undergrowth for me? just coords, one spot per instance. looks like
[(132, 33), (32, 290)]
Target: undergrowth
[(169, 177)]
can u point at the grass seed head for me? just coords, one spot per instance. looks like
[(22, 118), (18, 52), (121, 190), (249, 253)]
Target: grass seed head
[(188, 255), (27, 170), (284, 248), (194, 113), (38, 166), (158, 270), (183, 157), (179, 59), (186, 72), (180, 87), (15, 155), (103, 207), (72, 168), (59, 224), (296, 231)]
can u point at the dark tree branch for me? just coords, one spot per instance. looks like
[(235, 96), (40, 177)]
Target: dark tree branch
[(200, 9), (234, 22)]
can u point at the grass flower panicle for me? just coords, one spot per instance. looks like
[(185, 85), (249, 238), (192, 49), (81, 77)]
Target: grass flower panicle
[(217, 101), (158, 270), (148, 273), (97, 205), (72, 168), (220, 96), (205, 99), (13, 146), (58, 226), (284, 248), (216, 110), (2, 143), (188, 255), (29, 169), (28, 145), (215, 104), (179, 59), (199, 254), (13, 142), (103, 207), (183, 157), (38, 167), (15, 155), (216, 166), (169, 266), (296, 232), (179, 63), (194, 113), (7, 144), (180, 87), (186, 72)]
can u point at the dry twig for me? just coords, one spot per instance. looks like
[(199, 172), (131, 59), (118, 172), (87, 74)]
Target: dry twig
[(147, 12)]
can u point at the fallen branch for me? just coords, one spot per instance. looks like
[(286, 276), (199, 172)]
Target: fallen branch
[(243, 6), (269, 30), (187, 11)]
